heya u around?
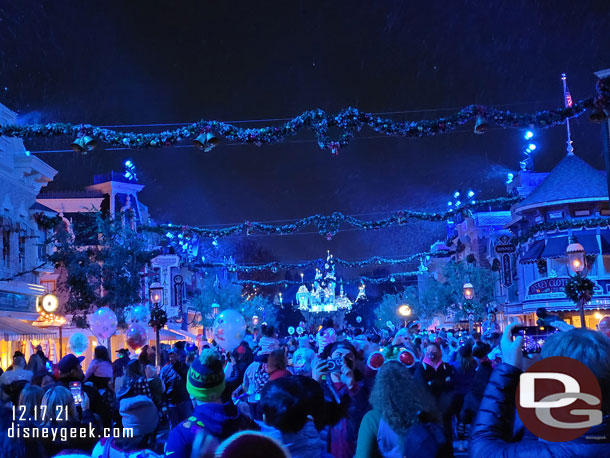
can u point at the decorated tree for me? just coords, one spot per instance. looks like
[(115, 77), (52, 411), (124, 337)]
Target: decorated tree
[(444, 296), (99, 260), (227, 295)]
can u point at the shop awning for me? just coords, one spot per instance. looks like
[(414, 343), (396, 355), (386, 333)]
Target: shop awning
[(534, 252), (556, 246), (165, 335), (13, 329)]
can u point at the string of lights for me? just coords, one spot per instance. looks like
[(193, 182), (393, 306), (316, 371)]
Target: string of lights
[(349, 121), (277, 266), (328, 225), (400, 276)]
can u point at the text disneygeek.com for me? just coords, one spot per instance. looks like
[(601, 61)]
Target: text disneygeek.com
[(64, 433)]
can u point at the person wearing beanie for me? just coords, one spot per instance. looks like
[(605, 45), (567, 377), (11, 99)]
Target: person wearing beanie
[(138, 415), (205, 383)]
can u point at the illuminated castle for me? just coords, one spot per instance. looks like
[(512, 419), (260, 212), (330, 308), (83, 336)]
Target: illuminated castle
[(323, 295)]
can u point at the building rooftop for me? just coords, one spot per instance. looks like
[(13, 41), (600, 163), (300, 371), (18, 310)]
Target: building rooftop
[(70, 194), (38, 207), (571, 180)]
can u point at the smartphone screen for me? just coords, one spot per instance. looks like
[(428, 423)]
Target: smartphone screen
[(77, 392), (534, 337)]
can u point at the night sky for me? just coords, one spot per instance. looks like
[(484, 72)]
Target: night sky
[(140, 62)]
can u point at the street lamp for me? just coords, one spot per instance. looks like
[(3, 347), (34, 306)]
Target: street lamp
[(156, 297), (47, 306), (577, 263), (468, 291), (404, 311)]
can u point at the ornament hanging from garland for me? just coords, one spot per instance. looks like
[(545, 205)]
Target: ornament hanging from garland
[(579, 288)]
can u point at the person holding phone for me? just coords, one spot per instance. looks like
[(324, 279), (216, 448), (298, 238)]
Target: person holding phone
[(493, 432), (70, 370), (61, 411), (339, 374)]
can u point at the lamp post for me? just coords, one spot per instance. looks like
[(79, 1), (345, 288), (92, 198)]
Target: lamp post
[(404, 311), (156, 298), (577, 263), (468, 292)]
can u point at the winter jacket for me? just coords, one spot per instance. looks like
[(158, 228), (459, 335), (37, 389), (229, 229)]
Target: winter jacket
[(354, 404), (376, 439), (307, 443), (439, 381), (473, 398), (218, 420), (492, 432), (107, 445), (174, 378)]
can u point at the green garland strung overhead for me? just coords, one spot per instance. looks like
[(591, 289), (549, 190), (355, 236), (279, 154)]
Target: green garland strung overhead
[(561, 225), (327, 225), (392, 278), (349, 121), (277, 266)]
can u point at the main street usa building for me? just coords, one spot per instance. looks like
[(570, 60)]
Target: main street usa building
[(573, 194)]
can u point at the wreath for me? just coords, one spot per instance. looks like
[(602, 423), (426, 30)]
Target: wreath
[(158, 317), (578, 287)]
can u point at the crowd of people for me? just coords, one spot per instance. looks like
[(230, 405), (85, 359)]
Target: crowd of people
[(334, 393)]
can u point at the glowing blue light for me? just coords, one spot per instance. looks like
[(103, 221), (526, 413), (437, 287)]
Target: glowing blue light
[(180, 236), (529, 134), (169, 235), (472, 202), (470, 193), (458, 203), (202, 258), (456, 194), (128, 175), (27, 153), (509, 178), (532, 146), (449, 204), (215, 242), (128, 163)]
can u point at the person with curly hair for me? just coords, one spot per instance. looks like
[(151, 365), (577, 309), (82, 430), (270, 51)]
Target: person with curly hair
[(403, 421)]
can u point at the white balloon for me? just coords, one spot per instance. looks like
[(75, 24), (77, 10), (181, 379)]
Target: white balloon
[(103, 323), (229, 329), (139, 314)]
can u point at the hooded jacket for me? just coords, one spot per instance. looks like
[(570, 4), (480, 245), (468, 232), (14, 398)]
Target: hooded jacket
[(217, 420), (492, 432)]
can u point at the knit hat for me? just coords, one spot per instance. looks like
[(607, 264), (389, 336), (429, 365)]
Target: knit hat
[(206, 377), (139, 413), (268, 344), (252, 444)]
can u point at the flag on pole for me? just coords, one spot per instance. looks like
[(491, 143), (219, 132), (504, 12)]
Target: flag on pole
[(566, 92)]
